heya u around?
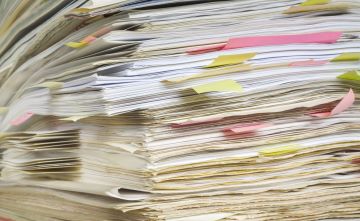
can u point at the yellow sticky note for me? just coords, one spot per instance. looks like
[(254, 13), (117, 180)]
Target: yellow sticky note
[(74, 118), (276, 151), (212, 72), (76, 44), (350, 56), (51, 85), (81, 10), (314, 2), (224, 85), (3, 110), (350, 75), (230, 59)]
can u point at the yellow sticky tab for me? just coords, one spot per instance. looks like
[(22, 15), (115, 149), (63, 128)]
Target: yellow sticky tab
[(3, 110), (51, 85), (351, 56), (74, 118), (224, 85), (212, 72), (81, 10), (76, 44), (230, 59), (350, 75), (315, 2), (270, 152)]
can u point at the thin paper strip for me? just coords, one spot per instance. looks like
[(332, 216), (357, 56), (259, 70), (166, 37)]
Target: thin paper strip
[(22, 119), (350, 56), (230, 59), (246, 127), (218, 86), (346, 102), (196, 122), (74, 118), (350, 75), (278, 151)]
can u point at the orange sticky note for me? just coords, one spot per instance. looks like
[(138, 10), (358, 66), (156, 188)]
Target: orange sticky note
[(346, 102)]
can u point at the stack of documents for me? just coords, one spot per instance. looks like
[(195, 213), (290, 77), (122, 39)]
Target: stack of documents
[(187, 110)]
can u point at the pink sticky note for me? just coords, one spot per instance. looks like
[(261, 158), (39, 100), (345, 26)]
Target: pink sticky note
[(196, 122), (88, 39), (22, 119), (308, 63), (321, 38), (346, 102), (205, 49), (5, 219), (246, 127)]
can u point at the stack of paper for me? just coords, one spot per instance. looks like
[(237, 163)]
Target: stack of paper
[(179, 110)]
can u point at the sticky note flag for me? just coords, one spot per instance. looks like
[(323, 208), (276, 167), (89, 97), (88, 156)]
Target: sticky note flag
[(88, 39), (205, 49), (350, 56), (277, 151), (346, 102), (246, 127), (224, 85), (22, 119), (74, 118), (196, 122), (3, 110), (212, 72), (338, 7), (76, 44), (230, 59), (320, 37), (314, 2), (308, 63), (350, 75), (51, 85), (5, 219), (80, 10)]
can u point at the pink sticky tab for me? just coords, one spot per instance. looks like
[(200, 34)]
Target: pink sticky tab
[(5, 219), (321, 38), (88, 39), (346, 102), (22, 119), (205, 49), (245, 128), (196, 122), (307, 63)]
